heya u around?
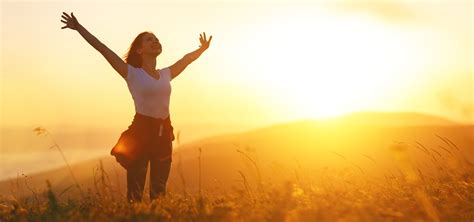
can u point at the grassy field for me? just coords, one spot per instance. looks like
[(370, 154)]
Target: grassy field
[(437, 185), (336, 195)]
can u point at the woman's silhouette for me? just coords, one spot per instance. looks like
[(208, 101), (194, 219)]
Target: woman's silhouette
[(149, 137)]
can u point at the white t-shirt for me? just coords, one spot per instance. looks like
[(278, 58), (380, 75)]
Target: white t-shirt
[(150, 96)]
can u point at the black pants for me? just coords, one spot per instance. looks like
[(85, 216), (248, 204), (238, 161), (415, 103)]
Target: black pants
[(159, 171), (157, 136)]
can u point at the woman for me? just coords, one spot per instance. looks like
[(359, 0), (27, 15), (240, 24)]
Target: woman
[(149, 137)]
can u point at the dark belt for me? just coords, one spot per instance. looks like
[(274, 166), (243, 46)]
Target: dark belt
[(143, 121)]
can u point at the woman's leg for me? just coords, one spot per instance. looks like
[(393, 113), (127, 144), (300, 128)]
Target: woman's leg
[(159, 172), (160, 165), (136, 176)]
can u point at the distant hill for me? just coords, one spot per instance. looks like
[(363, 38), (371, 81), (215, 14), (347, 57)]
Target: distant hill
[(395, 119), (358, 142), (360, 139)]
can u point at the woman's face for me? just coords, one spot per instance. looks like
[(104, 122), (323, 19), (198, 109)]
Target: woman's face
[(150, 45)]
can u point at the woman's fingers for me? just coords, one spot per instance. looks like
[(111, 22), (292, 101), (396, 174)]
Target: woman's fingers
[(204, 41), (71, 22), (64, 13), (65, 21), (205, 38)]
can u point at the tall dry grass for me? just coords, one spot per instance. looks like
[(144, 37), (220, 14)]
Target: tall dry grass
[(411, 193)]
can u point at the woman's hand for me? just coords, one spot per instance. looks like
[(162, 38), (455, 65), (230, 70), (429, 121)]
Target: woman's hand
[(204, 42), (70, 21)]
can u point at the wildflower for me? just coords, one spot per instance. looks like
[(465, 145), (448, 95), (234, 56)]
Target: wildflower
[(39, 130)]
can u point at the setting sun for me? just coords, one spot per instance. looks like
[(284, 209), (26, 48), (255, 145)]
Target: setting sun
[(318, 64)]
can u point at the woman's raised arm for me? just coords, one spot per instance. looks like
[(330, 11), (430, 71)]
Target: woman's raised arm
[(187, 59), (117, 63)]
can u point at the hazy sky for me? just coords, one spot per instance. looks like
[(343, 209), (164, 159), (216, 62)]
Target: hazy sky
[(268, 62)]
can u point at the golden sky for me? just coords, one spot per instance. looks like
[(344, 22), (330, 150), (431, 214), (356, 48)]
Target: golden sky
[(268, 62)]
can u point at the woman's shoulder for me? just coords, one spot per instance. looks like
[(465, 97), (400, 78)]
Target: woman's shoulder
[(132, 71), (164, 71)]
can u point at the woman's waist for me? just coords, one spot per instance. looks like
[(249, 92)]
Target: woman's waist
[(148, 121), (146, 127)]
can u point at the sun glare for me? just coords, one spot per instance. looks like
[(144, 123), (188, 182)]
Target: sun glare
[(321, 66)]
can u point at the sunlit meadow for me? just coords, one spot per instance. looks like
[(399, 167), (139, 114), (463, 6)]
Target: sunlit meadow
[(298, 111)]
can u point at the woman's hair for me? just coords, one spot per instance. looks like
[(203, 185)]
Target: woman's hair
[(132, 57)]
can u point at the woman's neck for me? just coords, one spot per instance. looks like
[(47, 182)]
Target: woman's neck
[(149, 64)]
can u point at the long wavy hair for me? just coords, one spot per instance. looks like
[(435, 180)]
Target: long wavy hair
[(132, 57)]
